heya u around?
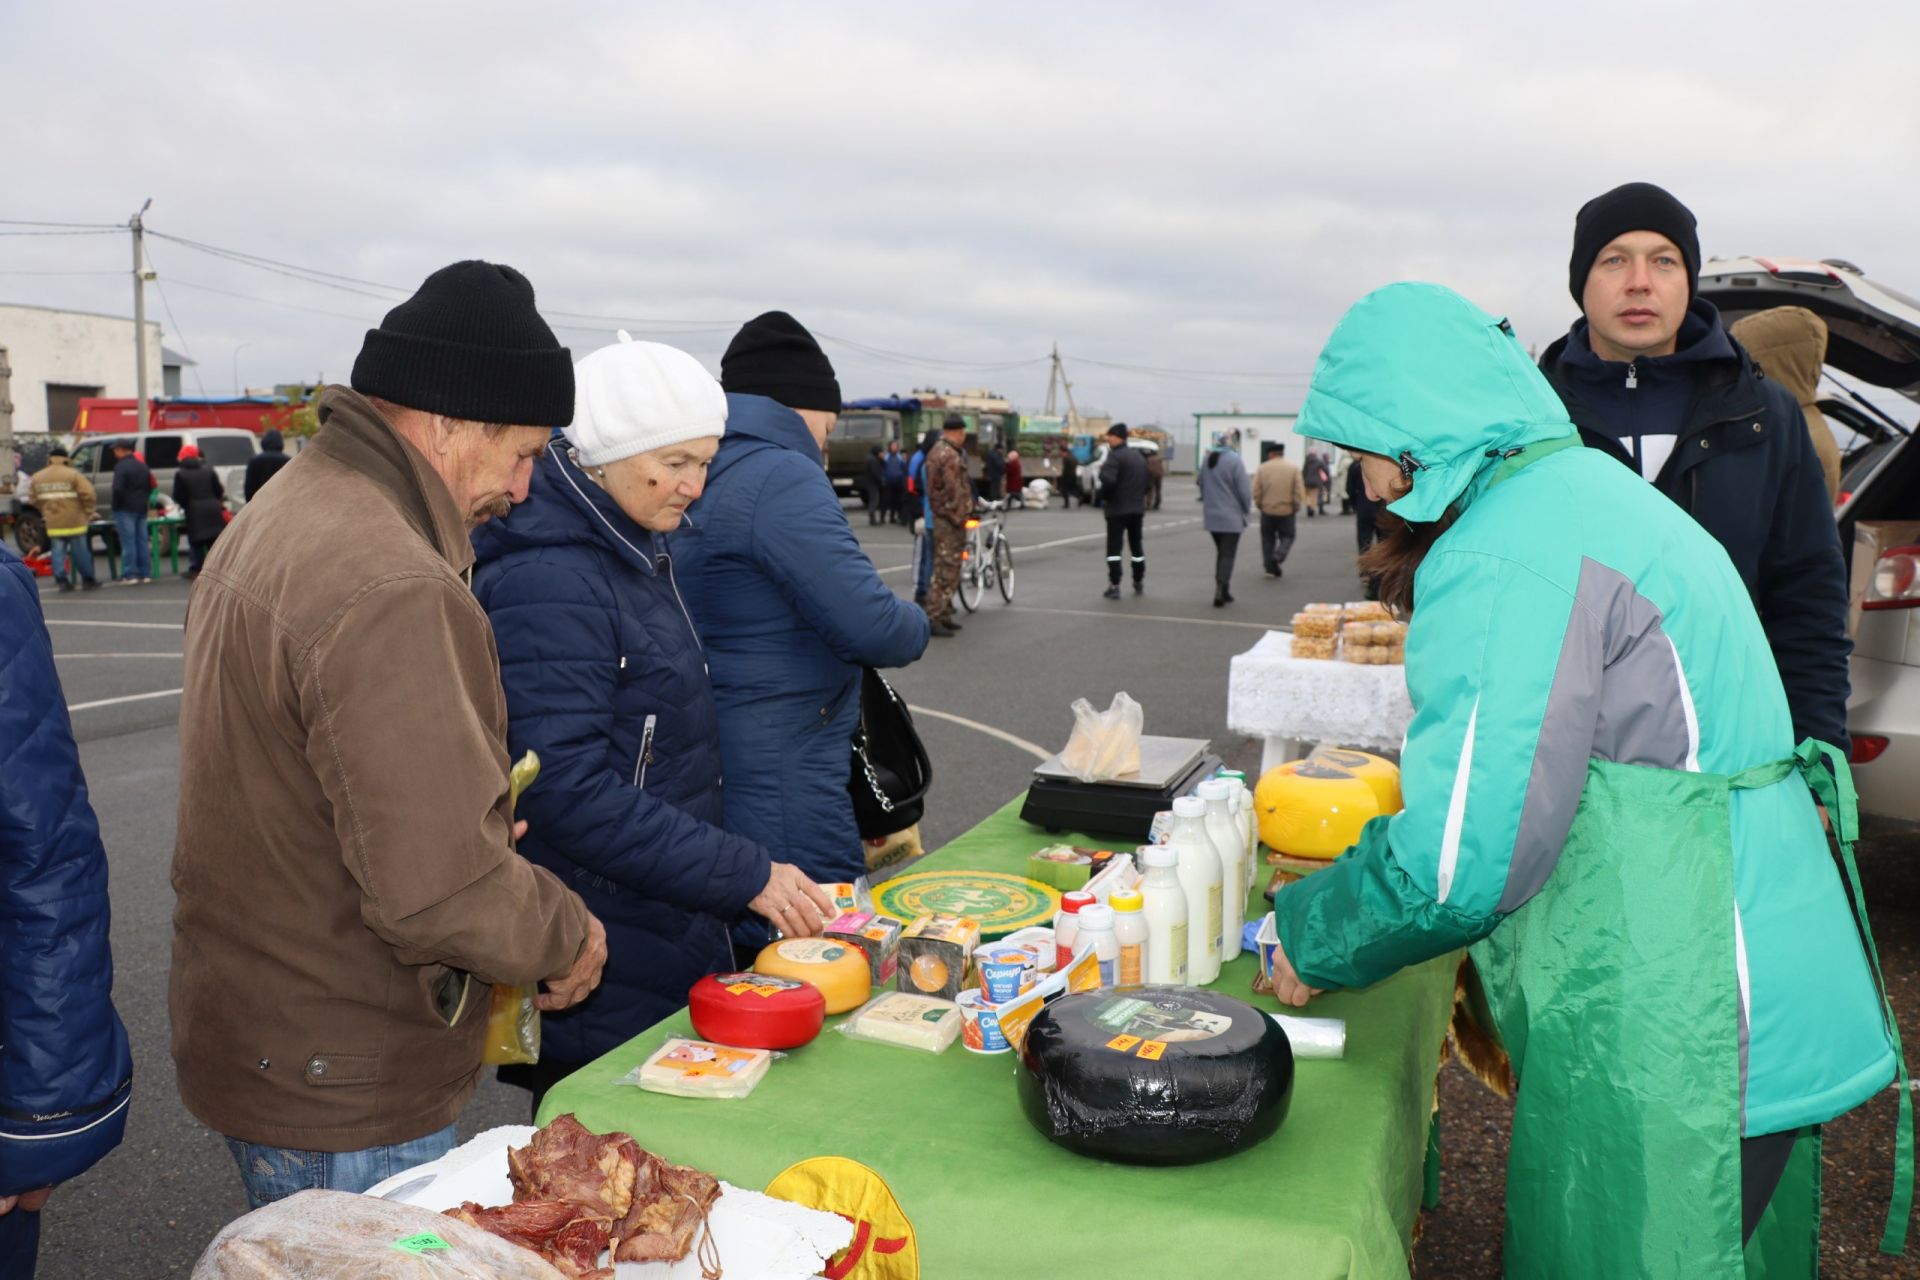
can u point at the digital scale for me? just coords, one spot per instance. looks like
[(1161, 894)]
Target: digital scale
[(1124, 806)]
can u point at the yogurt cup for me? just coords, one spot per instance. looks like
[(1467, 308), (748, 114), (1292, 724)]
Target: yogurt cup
[(1004, 972), (980, 1024)]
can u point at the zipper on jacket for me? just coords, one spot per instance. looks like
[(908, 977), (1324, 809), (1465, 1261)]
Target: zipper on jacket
[(667, 560), (646, 754), (1633, 375)]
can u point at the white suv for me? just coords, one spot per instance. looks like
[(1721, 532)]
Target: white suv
[(1874, 338)]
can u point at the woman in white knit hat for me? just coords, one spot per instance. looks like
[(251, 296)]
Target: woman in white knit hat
[(606, 680)]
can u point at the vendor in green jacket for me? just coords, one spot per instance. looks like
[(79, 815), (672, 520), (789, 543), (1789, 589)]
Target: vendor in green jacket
[(1605, 803)]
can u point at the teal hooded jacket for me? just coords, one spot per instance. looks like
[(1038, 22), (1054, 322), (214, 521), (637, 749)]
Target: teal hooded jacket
[(1571, 613)]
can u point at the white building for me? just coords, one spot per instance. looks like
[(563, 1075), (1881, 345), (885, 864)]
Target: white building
[(60, 357), (1254, 430)]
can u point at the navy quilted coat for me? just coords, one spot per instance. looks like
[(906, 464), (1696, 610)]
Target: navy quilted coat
[(65, 1075), (606, 680), (791, 608)]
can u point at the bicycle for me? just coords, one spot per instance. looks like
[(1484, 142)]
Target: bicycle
[(987, 561)]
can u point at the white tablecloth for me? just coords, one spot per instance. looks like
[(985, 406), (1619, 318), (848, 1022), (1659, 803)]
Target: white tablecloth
[(1273, 695)]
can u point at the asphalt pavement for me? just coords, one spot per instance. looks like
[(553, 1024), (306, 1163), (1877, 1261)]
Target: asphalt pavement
[(990, 702)]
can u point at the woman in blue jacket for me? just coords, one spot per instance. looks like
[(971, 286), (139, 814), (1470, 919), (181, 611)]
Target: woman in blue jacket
[(65, 1074), (789, 603), (606, 680)]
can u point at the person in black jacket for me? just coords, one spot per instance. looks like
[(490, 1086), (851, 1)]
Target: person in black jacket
[(264, 465), (1650, 376), (1070, 477), (202, 499), (993, 474), (132, 491), (874, 485), (1123, 496)]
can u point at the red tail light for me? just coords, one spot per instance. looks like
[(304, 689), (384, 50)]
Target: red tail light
[(1866, 749), (1896, 580)]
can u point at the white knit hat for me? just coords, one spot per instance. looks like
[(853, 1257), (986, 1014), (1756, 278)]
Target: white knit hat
[(633, 397)]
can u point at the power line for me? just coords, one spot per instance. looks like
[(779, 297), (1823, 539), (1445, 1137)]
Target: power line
[(62, 273), (1205, 373), (108, 231), (254, 259), (179, 333), (29, 222), (271, 302)]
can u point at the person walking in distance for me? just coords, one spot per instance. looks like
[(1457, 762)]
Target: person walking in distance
[(66, 502), (265, 465), (132, 490), (894, 468), (1123, 496), (203, 499), (949, 505), (874, 485), (1016, 479), (1070, 477), (1228, 500), (1279, 492)]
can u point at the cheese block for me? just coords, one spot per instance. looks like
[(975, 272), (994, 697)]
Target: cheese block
[(699, 1069), (1380, 774), (1154, 1074), (1313, 809), (906, 1019), (839, 969), (756, 1010)]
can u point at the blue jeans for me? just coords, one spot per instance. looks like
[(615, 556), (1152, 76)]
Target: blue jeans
[(136, 554), (78, 548), (274, 1173)]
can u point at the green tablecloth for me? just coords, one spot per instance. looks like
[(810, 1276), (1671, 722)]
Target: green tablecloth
[(1334, 1193)]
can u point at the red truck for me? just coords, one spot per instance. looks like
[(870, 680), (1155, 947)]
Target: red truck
[(98, 415)]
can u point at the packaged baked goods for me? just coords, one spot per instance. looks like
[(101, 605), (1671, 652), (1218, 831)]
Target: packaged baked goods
[(1318, 626), (1313, 647), (1322, 609), (1367, 611)]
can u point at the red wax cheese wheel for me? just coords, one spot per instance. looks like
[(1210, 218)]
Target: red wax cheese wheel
[(839, 969), (756, 1010)]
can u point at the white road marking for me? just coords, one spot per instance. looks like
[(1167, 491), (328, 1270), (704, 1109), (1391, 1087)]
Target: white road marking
[(137, 626), (1038, 753), (1118, 614), (114, 702), (1020, 550)]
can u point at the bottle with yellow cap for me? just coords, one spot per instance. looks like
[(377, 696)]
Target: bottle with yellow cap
[(1130, 931)]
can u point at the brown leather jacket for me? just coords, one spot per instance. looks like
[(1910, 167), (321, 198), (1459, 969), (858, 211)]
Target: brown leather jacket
[(343, 858)]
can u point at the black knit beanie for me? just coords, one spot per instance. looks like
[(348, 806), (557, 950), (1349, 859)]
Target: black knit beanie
[(774, 356), (1634, 206), (469, 344)]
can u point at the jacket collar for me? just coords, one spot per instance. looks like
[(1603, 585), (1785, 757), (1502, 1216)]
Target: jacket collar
[(1702, 340), (766, 419), (353, 433)]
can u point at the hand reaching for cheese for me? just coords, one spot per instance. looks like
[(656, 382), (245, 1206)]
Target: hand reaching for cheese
[(1287, 986), (792, 903)]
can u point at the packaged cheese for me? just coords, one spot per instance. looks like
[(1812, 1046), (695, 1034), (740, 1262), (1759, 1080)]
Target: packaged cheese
[(877, 937), (700, 1069), (909, 1020), (839, 969), (934, 953)]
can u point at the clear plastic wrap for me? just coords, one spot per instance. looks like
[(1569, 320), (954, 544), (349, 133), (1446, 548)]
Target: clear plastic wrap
[(1105, 744), (335, 1235)]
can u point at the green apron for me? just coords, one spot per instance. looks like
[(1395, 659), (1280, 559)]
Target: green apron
[(1615, 991)]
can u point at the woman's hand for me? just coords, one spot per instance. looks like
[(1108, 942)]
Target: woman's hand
[(792, 903), (1286, 983)]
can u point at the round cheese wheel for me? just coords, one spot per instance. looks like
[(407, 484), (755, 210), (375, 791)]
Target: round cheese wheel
[(1155, 1074), (838, 969), (756, 1010), (1380, 774), (1312, 809)]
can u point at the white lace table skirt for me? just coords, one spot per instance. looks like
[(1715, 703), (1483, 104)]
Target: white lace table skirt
[(1297, 702)]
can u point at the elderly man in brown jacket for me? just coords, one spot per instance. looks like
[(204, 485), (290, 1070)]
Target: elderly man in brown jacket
[(1279, 493), (345, 878)]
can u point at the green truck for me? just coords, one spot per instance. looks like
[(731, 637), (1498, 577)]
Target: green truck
[(882, 420)]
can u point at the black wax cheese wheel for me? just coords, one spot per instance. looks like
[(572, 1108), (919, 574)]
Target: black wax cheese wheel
[(1155, 1074)]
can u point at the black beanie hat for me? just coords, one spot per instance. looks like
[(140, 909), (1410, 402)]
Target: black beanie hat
[(953, 422), (1634, 206), (1118, 429), (774, 356), (469, 344)]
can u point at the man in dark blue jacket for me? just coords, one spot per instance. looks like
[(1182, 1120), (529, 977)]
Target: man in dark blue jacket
[(265, 465), (132, 491), (1650, 376), (789, 604), (65, 1074)]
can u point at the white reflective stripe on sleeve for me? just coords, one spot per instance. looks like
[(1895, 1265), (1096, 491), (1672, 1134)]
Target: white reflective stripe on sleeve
[(1457, 809), (1686, 707), (1740, 961)]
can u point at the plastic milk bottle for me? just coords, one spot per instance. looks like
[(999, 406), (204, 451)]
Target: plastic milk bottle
[(1130, 930), (1166, 914), (1200, 880), (1224, 828)]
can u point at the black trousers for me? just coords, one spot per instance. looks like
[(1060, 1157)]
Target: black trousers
[(1225, 547), (1365, 530), (1276, 540), (1130, 528)]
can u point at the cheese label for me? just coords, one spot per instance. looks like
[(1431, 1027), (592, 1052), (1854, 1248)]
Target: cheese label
[(1123, 1043), (1152, 1049), (810, 950), (1157, 1022), (764, 985), (696, 1058)]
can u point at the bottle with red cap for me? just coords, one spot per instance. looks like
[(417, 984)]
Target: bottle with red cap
[(1066, 928)]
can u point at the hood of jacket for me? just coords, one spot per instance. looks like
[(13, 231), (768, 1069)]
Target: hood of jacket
[(1790, 346), (754, 422), (1416, 373), (564, 507)]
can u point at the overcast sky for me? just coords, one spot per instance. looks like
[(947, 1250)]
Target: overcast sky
[(1173, 187)]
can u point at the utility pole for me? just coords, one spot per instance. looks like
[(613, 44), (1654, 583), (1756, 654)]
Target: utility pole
[(140, 316), (6, 418), (1058, 373)]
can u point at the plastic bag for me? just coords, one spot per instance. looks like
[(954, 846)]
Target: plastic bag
[(1105, 744), (335, 1235)]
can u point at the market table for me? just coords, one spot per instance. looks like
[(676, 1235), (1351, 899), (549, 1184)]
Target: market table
[(109, 534), (1333, 1194), (1290, 702)]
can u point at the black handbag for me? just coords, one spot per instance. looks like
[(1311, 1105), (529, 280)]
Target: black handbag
[(891, 772)]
